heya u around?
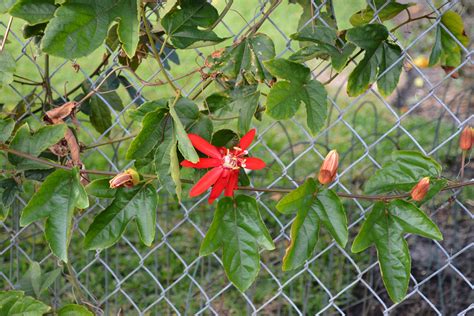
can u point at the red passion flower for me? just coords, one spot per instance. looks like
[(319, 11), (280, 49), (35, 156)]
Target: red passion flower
[(225, 164)]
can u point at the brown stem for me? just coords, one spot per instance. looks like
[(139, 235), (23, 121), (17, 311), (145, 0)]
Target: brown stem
[(156, 53), (243, 188), (7, 31), (112, 141)]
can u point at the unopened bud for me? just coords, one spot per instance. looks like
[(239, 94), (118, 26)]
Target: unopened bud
[(128, 179), (465, 141), (328, 170), (419, 191)]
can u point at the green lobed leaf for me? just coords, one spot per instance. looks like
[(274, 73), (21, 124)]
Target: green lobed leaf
[(34, 145), (285, 97), (379, 59), (384, 227), (56, 200), (7, 67), (34, 282), (15, 303), (80, 26), (317, 34), (402, 172), (149, 136), (388, 12), (238, 228), (314, 208), (187, 21), (446, 50), (245, 58), (150, 106), (34, 11), (244, 101), (74, 310), (6, 129), (300, 198), (138, 203)]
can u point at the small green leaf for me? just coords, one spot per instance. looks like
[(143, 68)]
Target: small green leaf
[(285, 97), (149, 136), (101, 188), (6, 128), (317, 34), (100, 116), (74, 310), (446, 49), (7, 67), (15, 303), (139, 203), (166, 162), (379, 56), (402, 173), (388, 12), (313, 209), (245, 102), (35, 144), (56, 200), (384, 227), (184, 144), (246, 58), (300, 198), (34, 282), (389, 81), (80, 26), (34, 11), (238, 228), (184, 24)]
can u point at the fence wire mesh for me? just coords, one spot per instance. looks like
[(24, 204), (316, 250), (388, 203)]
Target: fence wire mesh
[(426, 113)]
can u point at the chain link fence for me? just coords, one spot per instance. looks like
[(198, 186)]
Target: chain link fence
[(426, 113)]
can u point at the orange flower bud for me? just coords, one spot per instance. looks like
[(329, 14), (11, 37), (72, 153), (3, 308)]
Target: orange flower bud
[(328, 170), (419, 191), (128, 179), (465, 141)]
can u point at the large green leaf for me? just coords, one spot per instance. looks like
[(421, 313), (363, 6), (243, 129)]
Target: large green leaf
[(244, 60), (15, 303), (34, 144), (74, 310), (184, 24), (138, 203), (149, 136), (34, 11), (402, 172), (286, 96), (7, 67), (313, 208), (34, 282), (56, 200), (384, 228), (101, 188), (388, 12), (238, 228), (6, 128), (80, 26), (379, 60), (446, 49)]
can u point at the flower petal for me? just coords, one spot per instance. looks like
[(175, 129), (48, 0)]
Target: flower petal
[(217, 189), (206, 181), (232, 185), (203, 146), (203, 163), (247, 139), (254, 163)]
